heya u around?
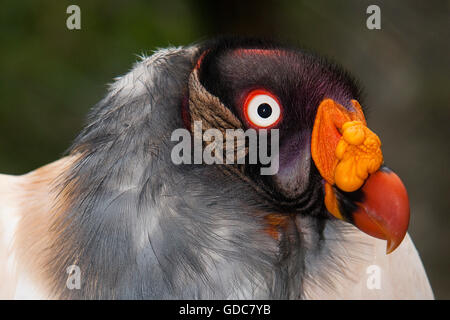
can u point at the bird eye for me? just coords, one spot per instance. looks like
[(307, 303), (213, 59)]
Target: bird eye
[(262, 109)]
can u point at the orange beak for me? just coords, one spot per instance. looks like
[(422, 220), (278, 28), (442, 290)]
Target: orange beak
[(348, 157)]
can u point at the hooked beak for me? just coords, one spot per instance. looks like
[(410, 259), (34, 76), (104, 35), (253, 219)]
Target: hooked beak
[(384, 211), (348, 156)]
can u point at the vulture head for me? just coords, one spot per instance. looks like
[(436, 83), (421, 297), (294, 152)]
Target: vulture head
[(140, 225)]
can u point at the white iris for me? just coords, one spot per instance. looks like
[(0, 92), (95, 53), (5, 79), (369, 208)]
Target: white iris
[(259, 119)]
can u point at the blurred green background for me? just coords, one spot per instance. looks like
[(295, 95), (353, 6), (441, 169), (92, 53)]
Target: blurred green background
[(50, 76)]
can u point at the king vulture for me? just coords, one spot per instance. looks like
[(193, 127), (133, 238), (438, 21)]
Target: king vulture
[(330, 223)]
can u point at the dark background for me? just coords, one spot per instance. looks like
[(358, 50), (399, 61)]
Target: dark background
[(50, 76)]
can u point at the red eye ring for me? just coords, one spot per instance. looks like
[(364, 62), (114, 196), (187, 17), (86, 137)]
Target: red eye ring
[(267, 117)]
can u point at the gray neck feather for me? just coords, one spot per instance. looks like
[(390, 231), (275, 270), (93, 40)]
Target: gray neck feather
[(140, 227)]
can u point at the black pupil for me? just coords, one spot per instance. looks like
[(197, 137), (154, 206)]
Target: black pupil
[(264, 110)]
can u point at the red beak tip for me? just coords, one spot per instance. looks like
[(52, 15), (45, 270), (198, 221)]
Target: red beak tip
[(385, 211), (391, 245)]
